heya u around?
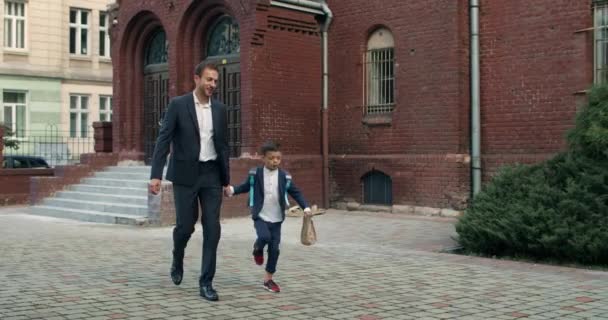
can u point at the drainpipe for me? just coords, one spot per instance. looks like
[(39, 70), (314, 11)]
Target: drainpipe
[(319, 8), (475, 100)]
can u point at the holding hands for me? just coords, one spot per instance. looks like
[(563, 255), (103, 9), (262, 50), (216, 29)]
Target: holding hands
[(228, 191)]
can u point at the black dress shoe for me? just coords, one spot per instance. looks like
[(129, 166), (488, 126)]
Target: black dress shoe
[(209, 293), (177, 269)]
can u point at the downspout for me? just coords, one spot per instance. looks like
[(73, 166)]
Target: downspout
[(475, 101), (319, 8)]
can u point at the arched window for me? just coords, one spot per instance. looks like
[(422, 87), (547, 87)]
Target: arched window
[(156, 52), (377, 188), (380, 72), (224, 38)]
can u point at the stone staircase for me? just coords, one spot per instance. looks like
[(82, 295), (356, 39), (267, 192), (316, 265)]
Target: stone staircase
[(117, 195)]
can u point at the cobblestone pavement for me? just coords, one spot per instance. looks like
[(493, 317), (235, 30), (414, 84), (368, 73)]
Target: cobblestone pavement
[(365, 266)]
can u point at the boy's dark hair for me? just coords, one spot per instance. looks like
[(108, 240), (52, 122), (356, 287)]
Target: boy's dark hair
[(198, 70), (269, 146)]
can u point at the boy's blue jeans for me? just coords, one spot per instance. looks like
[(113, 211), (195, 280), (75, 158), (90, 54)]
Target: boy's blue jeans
[(269, 233)]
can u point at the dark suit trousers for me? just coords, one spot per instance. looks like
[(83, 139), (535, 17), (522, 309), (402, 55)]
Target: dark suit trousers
[(208, 193)]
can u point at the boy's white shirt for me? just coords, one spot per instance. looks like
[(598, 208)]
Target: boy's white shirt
[(271, 210)]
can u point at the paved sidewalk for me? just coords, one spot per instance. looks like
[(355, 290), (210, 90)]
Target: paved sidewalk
[(365, 266)]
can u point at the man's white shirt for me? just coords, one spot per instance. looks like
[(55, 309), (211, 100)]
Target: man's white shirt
[(205, 124)]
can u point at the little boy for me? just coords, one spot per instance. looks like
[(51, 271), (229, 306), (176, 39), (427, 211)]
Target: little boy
[(268, 187)]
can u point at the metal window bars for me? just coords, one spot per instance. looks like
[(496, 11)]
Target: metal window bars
[(379, 81)]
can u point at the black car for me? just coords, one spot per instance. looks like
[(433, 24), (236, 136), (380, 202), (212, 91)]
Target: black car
[(23, 162)]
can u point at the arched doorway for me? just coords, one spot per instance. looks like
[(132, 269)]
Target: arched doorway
[(156, 88), (377, 188), (223, 48)]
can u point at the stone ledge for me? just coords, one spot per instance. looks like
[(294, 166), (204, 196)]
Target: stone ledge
[(399, 209)]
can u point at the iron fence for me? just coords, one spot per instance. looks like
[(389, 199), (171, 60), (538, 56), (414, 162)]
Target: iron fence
[(56, 147)]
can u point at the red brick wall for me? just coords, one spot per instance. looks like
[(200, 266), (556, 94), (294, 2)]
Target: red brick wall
[(286, 82), (15, 184), (533, 63), (430, 41), (429, 124), (280, 63), (305, 170), (280, 68), (423, 180), (184, 23)]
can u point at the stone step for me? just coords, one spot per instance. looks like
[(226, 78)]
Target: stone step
[(109, 207), (116, 182), (88, 215), (110, 190), (117, 194), (100, 197), (130, 169), (134, 176)]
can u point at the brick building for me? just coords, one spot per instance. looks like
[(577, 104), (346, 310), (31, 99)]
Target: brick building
[(398, 123)]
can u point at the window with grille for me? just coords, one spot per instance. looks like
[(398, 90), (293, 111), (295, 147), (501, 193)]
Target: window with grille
[(104, 37), (105, 108), (14, 112), (601, 42), (380, 73), (79, 116), (14, 24), (79, 31)]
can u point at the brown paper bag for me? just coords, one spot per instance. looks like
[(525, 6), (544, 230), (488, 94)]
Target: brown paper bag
[(309, 235)]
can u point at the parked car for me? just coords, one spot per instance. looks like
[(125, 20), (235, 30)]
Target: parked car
[(23, 162)]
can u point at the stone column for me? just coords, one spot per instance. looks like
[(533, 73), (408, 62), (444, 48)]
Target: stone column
[(1, 145)]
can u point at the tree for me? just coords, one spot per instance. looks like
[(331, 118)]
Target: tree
[(556, 210)]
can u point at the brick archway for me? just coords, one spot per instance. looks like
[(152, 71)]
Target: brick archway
[(195, 24), (130, 85), (194, 29)]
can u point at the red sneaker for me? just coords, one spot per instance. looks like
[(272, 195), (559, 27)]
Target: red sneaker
[(258, 257), (272, 286)]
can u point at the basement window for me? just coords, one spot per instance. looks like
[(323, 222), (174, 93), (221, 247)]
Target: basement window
[(377, 188)]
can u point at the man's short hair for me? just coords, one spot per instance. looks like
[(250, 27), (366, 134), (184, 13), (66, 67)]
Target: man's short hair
[(198, 70), (269, 146)]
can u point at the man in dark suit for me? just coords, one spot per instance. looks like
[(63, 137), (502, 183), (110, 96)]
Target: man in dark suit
[(195, 127)]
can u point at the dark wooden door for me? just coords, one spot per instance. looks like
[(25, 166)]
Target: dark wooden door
[(377, 188), (156, 100), (229, 93)]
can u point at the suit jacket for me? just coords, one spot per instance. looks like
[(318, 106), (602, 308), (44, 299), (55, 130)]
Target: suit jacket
[(180, 129), (258, 192)]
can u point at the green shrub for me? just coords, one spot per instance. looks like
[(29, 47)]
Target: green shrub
[(556, 210), (8, 141)]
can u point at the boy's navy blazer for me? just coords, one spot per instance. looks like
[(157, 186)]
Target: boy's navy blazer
[(258, 192)]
